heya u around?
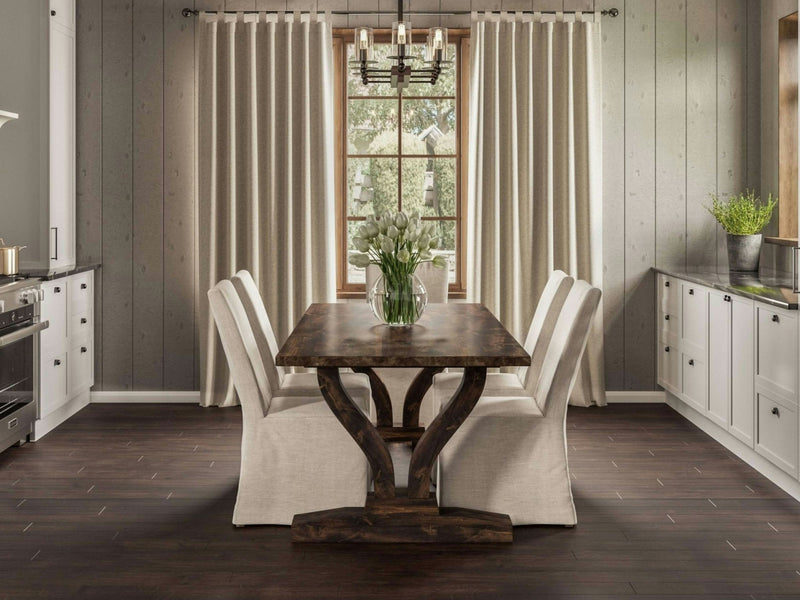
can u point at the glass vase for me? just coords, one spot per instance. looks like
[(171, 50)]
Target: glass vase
[(398, 301)]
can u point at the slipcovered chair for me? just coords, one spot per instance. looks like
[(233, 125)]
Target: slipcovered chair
[(510, 455), (397, 380), (536, 343), (296, 456), (281, 382)]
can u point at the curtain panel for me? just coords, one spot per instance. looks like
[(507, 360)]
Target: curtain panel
[(535, 173), (264, 169)]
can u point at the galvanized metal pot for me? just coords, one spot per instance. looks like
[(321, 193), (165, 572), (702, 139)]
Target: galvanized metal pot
[(9, 258), (744, 252)]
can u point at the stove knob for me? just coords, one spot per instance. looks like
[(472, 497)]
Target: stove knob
[(28, 296)]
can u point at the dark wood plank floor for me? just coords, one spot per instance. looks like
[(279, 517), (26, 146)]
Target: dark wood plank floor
[(135, 502)]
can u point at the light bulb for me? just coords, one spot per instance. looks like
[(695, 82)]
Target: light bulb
[(363, 39), (401, 34), (437, 39)]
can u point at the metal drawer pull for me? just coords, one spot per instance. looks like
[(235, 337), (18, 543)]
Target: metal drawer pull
[(83, 286), (691, 362), (776, 412), (13, 423), (666, 317), (666, 348), (57, 363), (83, 321), (57, 290), (666, 284), (83, 348), (691, 291), (775, 318), (726, 298), (16, 336)]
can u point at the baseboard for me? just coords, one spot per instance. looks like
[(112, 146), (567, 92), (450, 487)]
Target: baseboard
[(146, 397), (783, 480), (635, 397), (43, 426)]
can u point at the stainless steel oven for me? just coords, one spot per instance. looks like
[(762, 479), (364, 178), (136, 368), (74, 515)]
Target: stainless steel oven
[(19, 359)]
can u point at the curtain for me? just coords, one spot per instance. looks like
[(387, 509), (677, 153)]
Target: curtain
[(265, 170), (535, 179)]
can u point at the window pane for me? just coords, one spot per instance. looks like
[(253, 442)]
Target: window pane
[(429, 186), (444, 86), (354, 274), (446, 230), (371, 186), (354, 85), (430, 125), (372, 126)]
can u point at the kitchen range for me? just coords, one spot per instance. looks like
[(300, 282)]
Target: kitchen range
[(20, 325)]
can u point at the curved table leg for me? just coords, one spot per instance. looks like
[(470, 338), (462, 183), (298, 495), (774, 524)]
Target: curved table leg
[(380, 396), (442, 429), (360, 428), (415, 393)]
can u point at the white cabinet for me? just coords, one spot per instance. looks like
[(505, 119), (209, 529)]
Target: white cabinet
[(719, 357), (62, 135), (777, 432), (67, 349), (742, 369), (669, 368), (776, 366)]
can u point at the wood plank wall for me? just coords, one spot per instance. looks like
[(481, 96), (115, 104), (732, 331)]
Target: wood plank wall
[(681, 120)]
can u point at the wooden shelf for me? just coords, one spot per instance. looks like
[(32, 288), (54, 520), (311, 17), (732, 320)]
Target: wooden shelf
[(782, 241)]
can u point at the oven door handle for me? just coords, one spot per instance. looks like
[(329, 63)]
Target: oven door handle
[(16, 336)]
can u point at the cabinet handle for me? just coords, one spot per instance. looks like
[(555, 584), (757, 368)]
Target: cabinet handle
[(83, 348), (691, 362), (83, 286), (691, 291), (57, 363), (54, 232), (666, 348), (775, 318), (726, 298), (83, 321), (666, 317), (776, 412), (666, 284), (57, 290), (52, 13)]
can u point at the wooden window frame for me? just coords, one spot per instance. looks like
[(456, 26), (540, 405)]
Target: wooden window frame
[(461, 39)]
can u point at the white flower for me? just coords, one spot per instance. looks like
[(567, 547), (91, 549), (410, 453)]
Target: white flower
[(403, 255), (372, 229), (440, 262), (412, 234), (387, 245), (362, 244), (400, 220), (392, 232), (363, 232), (359, 260), (423, 241), (425, 255), (434, 243)]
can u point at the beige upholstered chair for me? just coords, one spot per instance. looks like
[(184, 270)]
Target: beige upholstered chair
[(296, 456), (397, 380), (281, 382), (510, 455), (536, 343)]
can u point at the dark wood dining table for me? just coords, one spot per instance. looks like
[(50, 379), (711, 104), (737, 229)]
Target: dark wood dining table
[(331, 337)]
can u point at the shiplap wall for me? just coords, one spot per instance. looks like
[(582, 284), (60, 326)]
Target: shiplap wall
[(681, 119)]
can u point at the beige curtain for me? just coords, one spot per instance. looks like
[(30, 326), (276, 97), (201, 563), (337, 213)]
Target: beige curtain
[(535, 188), (265, 169)]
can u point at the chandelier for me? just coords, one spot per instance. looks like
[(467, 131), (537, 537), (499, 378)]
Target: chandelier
[(400, 73)]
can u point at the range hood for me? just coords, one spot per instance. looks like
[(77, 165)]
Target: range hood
[(7, 116)]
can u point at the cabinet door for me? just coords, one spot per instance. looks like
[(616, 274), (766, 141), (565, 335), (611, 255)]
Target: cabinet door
[(53, 383), (669, 368), (694, 319), (694, 373), (719, 357), (63, 12), (62, 146), (81, 367), (54, 309), (777, 351), (743, 366), (777, 433)]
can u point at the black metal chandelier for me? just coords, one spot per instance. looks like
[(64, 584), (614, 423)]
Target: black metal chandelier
[(400, 73)]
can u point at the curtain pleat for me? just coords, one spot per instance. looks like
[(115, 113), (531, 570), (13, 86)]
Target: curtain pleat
[(534, 184), (264, 170)]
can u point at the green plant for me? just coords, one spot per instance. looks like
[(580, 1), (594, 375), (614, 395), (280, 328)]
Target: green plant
[(742, 214)]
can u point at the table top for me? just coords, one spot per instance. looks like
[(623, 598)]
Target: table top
[(447, 335)]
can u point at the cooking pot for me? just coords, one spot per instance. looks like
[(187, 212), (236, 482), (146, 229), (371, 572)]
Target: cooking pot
[(9, 258)]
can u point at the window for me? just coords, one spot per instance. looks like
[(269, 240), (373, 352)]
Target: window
[(400, 150)]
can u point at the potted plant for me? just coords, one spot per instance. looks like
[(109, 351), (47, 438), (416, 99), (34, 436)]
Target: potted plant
[(397, 244), (743, 216)]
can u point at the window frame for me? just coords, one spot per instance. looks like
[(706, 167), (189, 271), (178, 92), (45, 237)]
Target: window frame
[(341, 37)]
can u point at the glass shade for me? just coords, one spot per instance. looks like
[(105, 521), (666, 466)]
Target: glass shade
[(401, 38), (436, 47), (364, 44)]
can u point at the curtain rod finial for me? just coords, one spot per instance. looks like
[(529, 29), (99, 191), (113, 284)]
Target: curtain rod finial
[(611, 12)]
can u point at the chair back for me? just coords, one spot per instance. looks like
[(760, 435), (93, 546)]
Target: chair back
[(241, 351), (543, 323), (563, 358), (267, 343), (435, 281)]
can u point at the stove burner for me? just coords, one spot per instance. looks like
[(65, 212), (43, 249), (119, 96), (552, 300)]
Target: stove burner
[(11, 278)]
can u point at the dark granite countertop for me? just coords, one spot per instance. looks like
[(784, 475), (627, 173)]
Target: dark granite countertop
[(50, 276), (769, 287)]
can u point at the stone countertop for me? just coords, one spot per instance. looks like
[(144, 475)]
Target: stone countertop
[(764, 286), (73, 271)]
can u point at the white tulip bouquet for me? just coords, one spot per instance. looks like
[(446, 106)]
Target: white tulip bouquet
[(397, 243)]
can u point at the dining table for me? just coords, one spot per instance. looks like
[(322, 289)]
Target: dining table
[(335, 336)]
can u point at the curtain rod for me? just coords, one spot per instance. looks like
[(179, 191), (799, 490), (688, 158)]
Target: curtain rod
[(611, 12)]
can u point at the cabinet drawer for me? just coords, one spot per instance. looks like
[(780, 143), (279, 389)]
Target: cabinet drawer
[(81, 365), (694, 317), (53, 383), (81, 293), (694, 373), (777, 433), (669, 368), (776, 361), (64, 12), (80, 325), (54, 309), (669, 327), (669, 290)]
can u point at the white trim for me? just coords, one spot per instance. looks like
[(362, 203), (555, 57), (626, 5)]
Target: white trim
[(146, 397), (777, 476), (635, 397), (43, 426)]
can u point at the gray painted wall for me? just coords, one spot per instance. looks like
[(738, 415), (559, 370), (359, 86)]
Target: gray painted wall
[(682, 118)]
